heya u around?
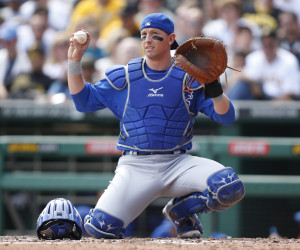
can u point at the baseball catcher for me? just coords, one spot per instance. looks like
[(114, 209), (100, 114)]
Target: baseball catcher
[(156, 98)]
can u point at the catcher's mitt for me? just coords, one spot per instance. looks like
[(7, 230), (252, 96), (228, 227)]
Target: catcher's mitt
[(203, 58)]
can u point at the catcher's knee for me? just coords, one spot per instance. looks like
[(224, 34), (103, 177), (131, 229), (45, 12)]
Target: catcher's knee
[(100, 224), (224, 189)]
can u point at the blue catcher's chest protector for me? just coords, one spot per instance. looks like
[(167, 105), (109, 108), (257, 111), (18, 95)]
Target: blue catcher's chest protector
[(156, 117)]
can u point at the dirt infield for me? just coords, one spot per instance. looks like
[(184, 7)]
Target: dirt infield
[(32, 243)]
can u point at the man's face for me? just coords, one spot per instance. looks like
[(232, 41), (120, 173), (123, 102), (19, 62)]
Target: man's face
[(269, 45), (288, 23), (230, 13), (155, 42), (38, 24)]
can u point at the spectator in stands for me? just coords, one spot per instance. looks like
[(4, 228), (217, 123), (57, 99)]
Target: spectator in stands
[(127, 49), (288, 6), (146, 7), (89, 72), (271, 73), (55, 66), (96, 44), (110, 47), (128, 21), (58, 91), (263, 13), (34, 84), (56, 63), (195, 22), (121, 50), (182, 13), (59, 12), (237, 61), (37, 31), (243, 44), (244, 41), (11, 12), (289, 33), (12, 61), (105, 11), (209, 10), (227, 25), (3, 92)]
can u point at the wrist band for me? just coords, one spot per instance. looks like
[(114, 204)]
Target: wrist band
[(218, 98), (74, 68), (213, 89)]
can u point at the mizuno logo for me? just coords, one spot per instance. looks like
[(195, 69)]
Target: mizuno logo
[(154, 94), (155, 90)]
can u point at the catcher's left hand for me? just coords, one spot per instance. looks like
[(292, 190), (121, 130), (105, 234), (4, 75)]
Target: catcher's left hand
[(203, 58)]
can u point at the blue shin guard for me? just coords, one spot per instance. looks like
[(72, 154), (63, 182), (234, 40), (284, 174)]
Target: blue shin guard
[(100, 224), (224, 189), (186, 227)]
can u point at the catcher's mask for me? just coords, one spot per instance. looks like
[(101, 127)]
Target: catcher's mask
[(59, 220), (159, 21)]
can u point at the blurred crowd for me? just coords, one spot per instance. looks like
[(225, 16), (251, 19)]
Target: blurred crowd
[(262, 38)]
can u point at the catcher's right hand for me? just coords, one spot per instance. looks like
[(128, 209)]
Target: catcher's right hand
[(76, 50)]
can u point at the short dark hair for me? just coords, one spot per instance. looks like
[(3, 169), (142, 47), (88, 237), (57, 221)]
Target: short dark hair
[(269, 33), (293, 14)]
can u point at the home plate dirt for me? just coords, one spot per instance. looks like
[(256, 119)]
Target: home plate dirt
[(32, 243)]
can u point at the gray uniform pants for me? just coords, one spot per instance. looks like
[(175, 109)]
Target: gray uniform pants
[(140, 179)]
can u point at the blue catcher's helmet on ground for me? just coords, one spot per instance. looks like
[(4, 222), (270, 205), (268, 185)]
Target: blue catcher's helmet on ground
[(59, 220)]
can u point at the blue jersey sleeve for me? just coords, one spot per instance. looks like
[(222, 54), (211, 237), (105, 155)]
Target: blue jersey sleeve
[(83, 101), (227, 118), (207, 107), (98, 96)]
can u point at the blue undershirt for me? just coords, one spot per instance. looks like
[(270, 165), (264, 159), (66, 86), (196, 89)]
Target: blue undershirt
[(155, 74)]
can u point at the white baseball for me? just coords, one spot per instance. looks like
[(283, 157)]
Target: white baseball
[(80, 36)]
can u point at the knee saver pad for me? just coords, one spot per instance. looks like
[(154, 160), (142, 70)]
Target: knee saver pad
[(100, 224), (224, 190)]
